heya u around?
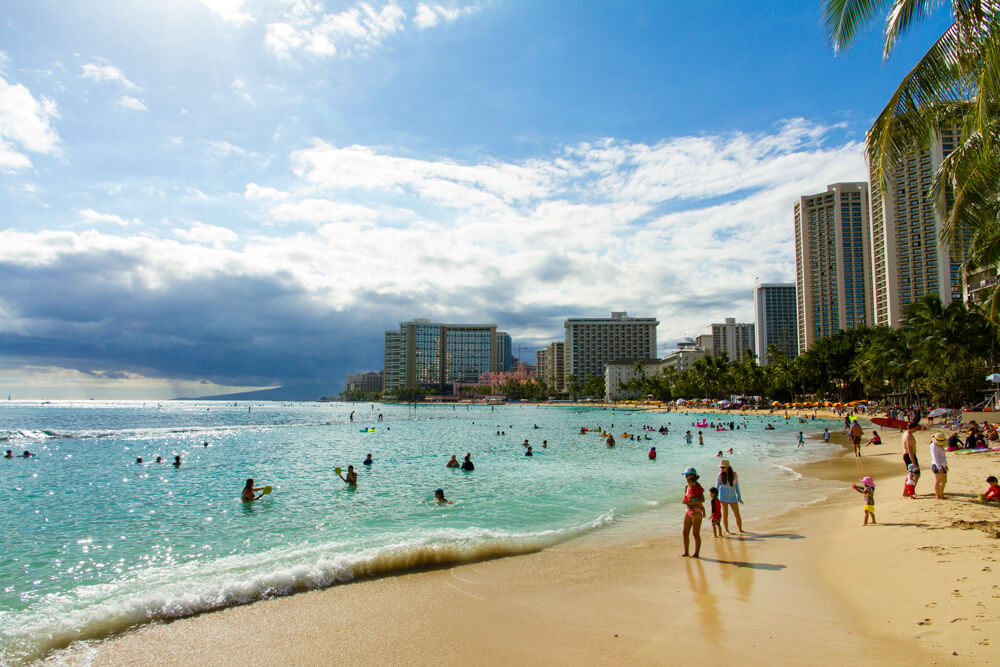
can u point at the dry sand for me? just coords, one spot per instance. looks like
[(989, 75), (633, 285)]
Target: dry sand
[(811, 587)]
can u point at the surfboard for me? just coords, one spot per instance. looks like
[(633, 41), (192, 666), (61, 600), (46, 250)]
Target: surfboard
[(900, 424)]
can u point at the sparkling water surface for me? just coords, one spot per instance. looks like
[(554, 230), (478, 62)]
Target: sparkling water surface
[(96, 543)]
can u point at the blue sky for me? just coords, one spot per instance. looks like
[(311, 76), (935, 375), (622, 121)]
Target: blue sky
[(204, 195)]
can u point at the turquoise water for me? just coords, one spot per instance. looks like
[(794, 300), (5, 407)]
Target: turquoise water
[(96, 543)]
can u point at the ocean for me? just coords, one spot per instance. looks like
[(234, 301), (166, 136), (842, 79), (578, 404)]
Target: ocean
[(96, 543)]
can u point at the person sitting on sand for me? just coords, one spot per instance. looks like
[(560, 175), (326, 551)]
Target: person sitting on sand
[(694, 501), (249, 489), (467, 463), (439, 497), (452, 462), (874, 440), (992, 493), (351, 478)]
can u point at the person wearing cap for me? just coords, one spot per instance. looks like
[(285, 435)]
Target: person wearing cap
[(694, 500), (939, 463), (867, 489), (439, 497), (728, 484)]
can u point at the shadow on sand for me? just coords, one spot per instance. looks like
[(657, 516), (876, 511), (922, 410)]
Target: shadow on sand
[(746, 564)]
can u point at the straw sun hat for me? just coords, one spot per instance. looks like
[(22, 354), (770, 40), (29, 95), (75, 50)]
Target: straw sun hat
[(939, 439)]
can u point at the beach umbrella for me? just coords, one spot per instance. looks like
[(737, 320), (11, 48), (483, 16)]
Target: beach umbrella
[(775, 403), (939, 412), (993, 377), (681, 401)]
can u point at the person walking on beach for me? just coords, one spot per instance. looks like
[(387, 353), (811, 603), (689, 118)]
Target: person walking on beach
[(716, 512), (856, 433), (694, 501), (802, 439), (728, 484), (867, 488), (939, 464)]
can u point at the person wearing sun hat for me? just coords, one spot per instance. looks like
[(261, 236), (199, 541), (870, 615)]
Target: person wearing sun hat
[(939, 463), (728, 484), (867, 489)]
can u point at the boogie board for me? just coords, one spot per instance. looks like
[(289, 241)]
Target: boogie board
[(900, 424)]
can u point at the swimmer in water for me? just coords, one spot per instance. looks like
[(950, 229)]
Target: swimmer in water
[(352, 477), (368, 461), (452, 462), (138, 461), (9, 454), (467, 463), (527, 452), (439, 497), (159, 460), (249, 489), (177, 461)]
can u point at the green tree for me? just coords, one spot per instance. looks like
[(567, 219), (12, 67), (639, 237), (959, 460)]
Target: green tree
[(954, 85)]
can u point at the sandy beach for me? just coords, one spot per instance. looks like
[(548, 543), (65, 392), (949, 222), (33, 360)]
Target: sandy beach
[(812, 585)]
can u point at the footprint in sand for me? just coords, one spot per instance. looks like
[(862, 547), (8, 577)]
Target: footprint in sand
[(987, 569), (957, 620), (960, 580), (956, 593), (926, 621), (931, 605)]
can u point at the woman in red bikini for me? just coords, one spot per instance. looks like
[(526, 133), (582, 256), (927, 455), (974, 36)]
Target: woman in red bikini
[(694, 500)]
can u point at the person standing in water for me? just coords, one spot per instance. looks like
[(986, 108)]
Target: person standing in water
[(248, 490), (467, 463), (351, 478)]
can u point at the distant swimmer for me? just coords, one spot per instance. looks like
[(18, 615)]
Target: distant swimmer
[(701, 440), (467, 463), (527, 452), (159, 459), (27, 454), (368, 460), (719, 455), (249, 489), (525, 443), (351, 478), (206, 443), (352, 416), (177, 461), (652, 453), (687, 437), (452, 462), (9, 454), (138, 461), (439, 497), (545, 444)]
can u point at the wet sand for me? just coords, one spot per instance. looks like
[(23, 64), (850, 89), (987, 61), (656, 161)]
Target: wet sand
[(810, 586)]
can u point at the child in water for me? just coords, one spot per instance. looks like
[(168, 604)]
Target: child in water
[(716, 512), (867, 489)]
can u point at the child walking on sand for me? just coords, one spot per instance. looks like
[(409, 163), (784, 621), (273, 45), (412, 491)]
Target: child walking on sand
[(867, 489), (716, 512)]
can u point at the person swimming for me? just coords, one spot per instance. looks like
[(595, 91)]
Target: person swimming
[(467, 463), (177, 461), (439, 497), (138, 461), (367, 461), (652, 453), (9, 454), (452, 462), (527, 452)]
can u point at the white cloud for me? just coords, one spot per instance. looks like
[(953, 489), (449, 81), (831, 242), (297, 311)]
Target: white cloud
[(130, 103), (104, 72), (199, 232), (239, 87), (229, 11), (24, 126), (305, 26), (226, 148), (92, 217), (254, 192), (321, 211), (428, 16)]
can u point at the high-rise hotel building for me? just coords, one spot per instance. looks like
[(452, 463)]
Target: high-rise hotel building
[(591, 343), (909, 260), (833, 262), (775, 320), (731, 338), (427, 354)]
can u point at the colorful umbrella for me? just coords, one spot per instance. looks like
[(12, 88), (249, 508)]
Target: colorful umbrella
[(939, 412)]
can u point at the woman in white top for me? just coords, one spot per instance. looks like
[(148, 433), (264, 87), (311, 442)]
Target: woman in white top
[(939, 463)]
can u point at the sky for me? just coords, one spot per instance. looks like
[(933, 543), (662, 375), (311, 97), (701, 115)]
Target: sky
[(203, 196)]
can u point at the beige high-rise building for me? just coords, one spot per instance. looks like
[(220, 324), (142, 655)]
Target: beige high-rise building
[(732, 337), (908, 259), (555, 367), (593, 342), (833, 262)]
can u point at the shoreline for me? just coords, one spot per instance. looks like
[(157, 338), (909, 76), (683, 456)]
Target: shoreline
[(584, 601)]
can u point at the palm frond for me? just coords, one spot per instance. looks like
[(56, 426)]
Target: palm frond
[(844, 19), (901, 17)]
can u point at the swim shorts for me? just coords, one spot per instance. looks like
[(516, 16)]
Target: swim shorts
[(870, 508)]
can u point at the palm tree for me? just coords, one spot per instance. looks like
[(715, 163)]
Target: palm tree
[(955, 84)]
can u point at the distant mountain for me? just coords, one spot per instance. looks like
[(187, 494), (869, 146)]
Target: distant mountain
[(309, 391)]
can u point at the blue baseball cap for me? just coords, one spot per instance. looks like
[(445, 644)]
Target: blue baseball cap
[(690, 471)]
